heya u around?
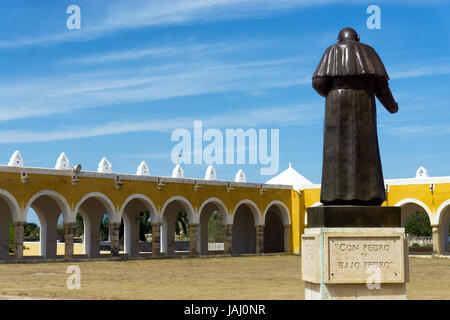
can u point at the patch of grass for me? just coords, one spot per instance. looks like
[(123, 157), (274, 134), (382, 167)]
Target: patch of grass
[(251, 277)]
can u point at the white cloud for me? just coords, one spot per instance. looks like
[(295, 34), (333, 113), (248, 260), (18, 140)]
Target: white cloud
[(156, 51), (421, 69), (417, 131), (265, 117), (120, 15), (60, 94)]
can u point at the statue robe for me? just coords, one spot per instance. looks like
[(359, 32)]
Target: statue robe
[(350, 75)]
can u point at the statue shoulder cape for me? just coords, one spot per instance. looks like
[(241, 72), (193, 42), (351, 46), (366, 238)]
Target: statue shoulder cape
[(350, 59)]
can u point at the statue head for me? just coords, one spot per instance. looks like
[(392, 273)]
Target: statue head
[(348, 34)]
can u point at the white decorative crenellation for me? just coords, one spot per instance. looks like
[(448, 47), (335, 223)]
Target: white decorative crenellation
[(240, 176), (143, 169), (210, 173), (177, 172), (104, 166), (16, 160), (422, 173), (62, 163)]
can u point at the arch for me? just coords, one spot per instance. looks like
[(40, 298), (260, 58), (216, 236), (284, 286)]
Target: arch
[(440, 210), (285, 215), (148, 203), (187, 206), (9, 210), (92, 207), (168, 218), (16, 213), (246, 216), (131, 219), (276, 228), (413, 203), (58, 198), (222, 208), (205, 211), (107, 203), (48, 205), (443, 222), (254, 209)]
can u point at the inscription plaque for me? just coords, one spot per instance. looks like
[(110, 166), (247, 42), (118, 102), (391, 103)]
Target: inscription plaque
[(360, 258)]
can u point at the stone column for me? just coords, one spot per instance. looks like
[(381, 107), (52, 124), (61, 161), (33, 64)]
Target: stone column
[(18, 239), (435, 233), (68, 239), (114, 228), (287, 237), (259, 239), (228, 238), (156, 239), (193, 239)]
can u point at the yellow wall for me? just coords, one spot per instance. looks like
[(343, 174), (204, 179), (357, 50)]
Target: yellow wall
[(296, 202), (32, 249), (397, 193)]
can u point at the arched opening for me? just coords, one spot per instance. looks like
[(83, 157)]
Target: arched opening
[(211, 228), (175, 226), (137, 215), (6, 228), (51, 210), (243, 231), (78, 235), (105, 240), (416, 221), (96, 211), (31, 235), (418, 228), (444, 227), (409, 207), (273, 231)]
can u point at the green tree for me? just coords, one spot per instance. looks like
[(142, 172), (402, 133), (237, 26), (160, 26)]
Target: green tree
[(104, 228), (60, 232), (418, 224), (79, 226), (182, 224), (144, 225), (216, 231), (31, 231)]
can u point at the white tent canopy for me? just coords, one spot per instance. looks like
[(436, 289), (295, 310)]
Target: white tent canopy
[(290, 177)]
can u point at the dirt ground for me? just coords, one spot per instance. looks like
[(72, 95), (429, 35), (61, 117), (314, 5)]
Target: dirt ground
[(254, 277)]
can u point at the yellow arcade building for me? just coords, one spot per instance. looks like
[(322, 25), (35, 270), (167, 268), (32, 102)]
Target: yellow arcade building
[(257, 218)]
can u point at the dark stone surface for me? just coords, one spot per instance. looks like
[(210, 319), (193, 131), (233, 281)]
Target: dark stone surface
[(354, 217)]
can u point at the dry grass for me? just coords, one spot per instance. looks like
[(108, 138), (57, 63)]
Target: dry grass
[(266, 277)]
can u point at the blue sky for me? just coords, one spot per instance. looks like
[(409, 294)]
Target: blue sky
[(137, 70)]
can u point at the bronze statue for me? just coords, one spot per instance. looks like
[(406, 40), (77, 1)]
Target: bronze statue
[(350, 75)]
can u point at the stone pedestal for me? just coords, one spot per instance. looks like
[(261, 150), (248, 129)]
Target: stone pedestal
[(228, 238), (68, 239), (193, 239), (343, 259), (114, 228), (156, 239), (259, 239), (18, 239)]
